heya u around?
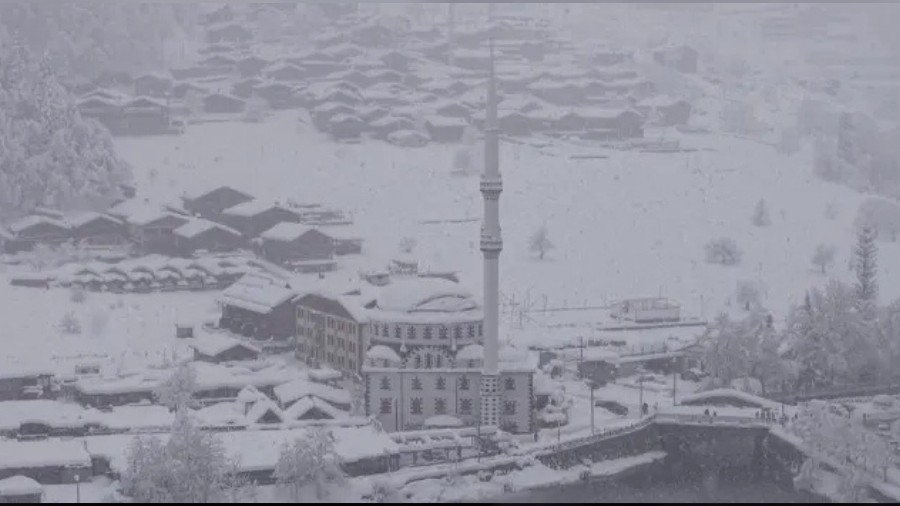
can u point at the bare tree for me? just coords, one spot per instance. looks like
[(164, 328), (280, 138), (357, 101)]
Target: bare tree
[(540, 242), (723, 251), (823, 257)]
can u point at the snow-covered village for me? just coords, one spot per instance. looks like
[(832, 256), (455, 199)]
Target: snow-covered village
[(449, 252)]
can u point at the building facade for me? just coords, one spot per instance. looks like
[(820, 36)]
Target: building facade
[(331, 332)]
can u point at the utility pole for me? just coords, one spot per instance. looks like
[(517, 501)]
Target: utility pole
[(674, 384), (641, 401), (592, 385), (581, 357)]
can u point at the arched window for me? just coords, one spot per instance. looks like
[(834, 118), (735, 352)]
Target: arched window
[(441, 383), (510, 384), (398, 333), (428, 332), (416, 383), (457, 332), (385, 332), (418, 361), (410, 332), (471, 331), (480, 330), (463, 383), (442, 332), (385, 383), (438, 361), (428, 361)]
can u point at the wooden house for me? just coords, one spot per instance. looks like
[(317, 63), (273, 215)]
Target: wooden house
[(229, 33), (445, 129), (97, 229), (256, 216), (558, 93), (202, 235), (210, 204), (347, 240), (105, 110), (144, 116), (398, 61), (217, 349), (681, 58), (619, 123), (152, 230), (286, 72), (290, 243), (452, 110), (278, 95), (49, 462), (321, 115), (408, 138), (152, 85), (666, 111), (17, 383), (383, 127), (221, 103), (259, 307), (251, 66), (244, 88), (372, 35), (372, 113), (180, 90), (346, 127), (27, 232)]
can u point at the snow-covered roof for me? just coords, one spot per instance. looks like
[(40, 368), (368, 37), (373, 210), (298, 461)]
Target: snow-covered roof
[(324, 374), (19, 485), (79, 219), (302, 387), (37, 454), (342, 232), (382, 352), (213, 345), (197, 226), (251, 208), (51, 413), (471, 352), (304, 405), (597, 354), (257, 293), (35, 219), (250, 394), (426, 295), (446, 121), (659, 101), (150, 214), (285, 232), (700, 397), (260, 408)]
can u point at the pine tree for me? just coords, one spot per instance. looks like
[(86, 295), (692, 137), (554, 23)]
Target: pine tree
[(865, 265)]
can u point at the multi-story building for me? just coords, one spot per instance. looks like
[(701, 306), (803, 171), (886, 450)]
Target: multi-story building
[(331, 331)]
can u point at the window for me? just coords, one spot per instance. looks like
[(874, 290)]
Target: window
[(441, 383), (385, 332), (442, 333), (480, 330), (440, 406), (410, 332), (465, 407), (352, 365), (428, 333), (509, 408), (438, 361), (510, 384), (471, 364), (398, 333), (428, 361), (386, 406), (418, 361), (415, 406), (416, 383), (471, 331), (385, 383), (457, 332), (463, 383)]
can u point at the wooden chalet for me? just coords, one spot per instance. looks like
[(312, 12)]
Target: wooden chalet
[(24, 234), (20, 489), (152, 85), (346, 127), (219, 349), (203, 235), (253, 217), (152, 230), (97, 229), (144, 116), (17, 383), (286, 72), (221, 103), (296, 245), (445, 129), (251, 66), (210, 204), (387, 125)]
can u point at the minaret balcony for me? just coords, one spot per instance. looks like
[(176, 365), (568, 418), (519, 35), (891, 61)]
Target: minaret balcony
[(490, 243), (491, 188)]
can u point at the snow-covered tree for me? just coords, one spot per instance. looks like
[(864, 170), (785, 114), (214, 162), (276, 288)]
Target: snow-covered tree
[(191, 467), (407, 245), (177, 392), (723, 251), (77, 295), (310, 460), (747, 295), (823, 257), (745, 349), (761, 214), (866, 267), (540, 242)]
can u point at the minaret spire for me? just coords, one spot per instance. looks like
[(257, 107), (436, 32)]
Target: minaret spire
[(491, 246)]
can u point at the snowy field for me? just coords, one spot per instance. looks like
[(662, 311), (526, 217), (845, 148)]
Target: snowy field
[(632, 225)]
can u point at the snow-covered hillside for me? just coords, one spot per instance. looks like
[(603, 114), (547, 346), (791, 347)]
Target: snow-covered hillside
[(633, 224)]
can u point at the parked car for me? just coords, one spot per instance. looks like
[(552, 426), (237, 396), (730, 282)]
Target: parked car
[(693, 375), (612, 406)]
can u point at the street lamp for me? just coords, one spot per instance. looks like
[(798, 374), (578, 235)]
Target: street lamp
[(77, 488), (592, 384)]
